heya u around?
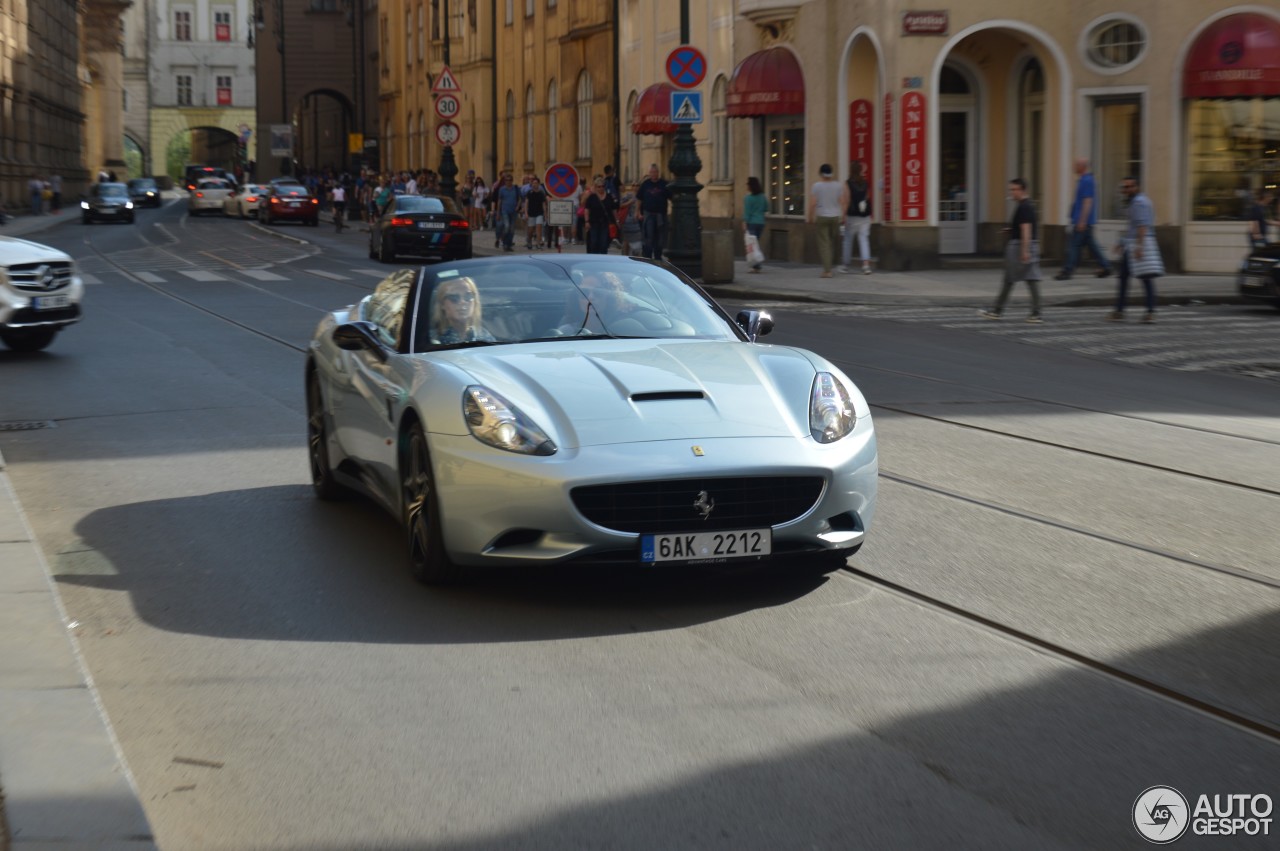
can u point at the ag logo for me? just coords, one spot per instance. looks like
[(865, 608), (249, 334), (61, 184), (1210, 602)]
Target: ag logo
[(1231, 52), (1161, 814)]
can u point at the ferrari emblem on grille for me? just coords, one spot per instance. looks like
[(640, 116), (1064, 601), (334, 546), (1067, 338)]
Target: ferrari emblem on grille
[(697, 450), (704, 504)]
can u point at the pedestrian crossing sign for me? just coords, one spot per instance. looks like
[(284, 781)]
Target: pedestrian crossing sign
[(686, 107)]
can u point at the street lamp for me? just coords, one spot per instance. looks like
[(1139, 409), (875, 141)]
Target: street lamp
[(684, 238), (448, 167)]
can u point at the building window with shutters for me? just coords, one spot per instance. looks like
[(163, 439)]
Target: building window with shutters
[(510, 134), (224, 90), (183, 82), (422, 32), (222, 25), (529, 107), (553, 105), (721, 153), (584, 116), (182, 25)]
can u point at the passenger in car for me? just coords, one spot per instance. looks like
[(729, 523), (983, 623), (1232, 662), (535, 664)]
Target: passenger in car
[(456, 313)]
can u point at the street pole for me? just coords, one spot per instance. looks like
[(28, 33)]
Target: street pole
[(684, 237), (448, 168)]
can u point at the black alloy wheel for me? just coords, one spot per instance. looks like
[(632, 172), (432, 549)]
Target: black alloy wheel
[(428, 561), (322, 480), (28, 339)]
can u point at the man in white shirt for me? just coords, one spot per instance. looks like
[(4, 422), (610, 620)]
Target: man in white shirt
[(827, 203)]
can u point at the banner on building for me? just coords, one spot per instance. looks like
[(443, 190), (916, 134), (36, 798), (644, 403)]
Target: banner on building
[(914, 204)]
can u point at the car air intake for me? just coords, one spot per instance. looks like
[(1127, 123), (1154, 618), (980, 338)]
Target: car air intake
[(701, 504), (665, 395)]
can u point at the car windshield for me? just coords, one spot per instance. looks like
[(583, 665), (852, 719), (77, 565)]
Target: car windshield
[(214, 184), (142, 183), (508, 300), (112, 190), (291, 190), (424, 204)]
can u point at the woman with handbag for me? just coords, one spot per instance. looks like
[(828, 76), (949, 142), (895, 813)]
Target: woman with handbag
[(754, 207), (600, 225)]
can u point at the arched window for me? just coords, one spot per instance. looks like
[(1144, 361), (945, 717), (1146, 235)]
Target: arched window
[(584, 116), (721, 152), (511, 121), (529, 107), (422, 33), (408, 37), (553, 105), (410, 149)]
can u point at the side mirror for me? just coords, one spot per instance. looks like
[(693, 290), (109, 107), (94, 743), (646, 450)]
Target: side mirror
[(355, 336), (756, 323)]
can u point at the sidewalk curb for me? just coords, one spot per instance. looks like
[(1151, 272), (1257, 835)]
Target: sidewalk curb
[(63, 779)]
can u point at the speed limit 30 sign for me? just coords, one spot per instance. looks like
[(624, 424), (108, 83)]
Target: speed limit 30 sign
[(447, 106)]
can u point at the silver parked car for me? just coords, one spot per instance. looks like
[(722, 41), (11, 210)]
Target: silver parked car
[(531, 410), (40, 294)]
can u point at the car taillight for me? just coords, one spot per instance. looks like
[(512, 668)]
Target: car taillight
[(461, 224), (315, 200), (275, 200), (250, 198), (401, 223), (199, 194)]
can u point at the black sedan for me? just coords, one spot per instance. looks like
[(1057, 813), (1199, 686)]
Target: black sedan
[(423, 226), (107, 202), (143, 191), (1260, 279)]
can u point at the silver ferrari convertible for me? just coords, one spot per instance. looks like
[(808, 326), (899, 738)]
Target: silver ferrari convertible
[(538, 410)]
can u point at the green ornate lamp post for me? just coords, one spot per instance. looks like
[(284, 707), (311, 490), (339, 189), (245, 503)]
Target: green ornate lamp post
[(684, 236)]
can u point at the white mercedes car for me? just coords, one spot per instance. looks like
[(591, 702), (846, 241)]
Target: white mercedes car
[(539, 410), (40, 294)]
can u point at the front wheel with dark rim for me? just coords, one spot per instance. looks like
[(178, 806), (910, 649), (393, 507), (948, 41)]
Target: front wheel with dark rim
[(322, 480), (428, 561), (28, 339)]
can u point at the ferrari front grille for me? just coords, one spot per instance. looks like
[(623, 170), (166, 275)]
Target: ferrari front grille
[(696, 505)]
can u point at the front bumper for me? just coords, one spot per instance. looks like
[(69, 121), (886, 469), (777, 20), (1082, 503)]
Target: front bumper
[(1260, 286), (19, 308), (430, 243), (500, 508)]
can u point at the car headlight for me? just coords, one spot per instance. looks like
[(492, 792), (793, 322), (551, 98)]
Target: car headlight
[(831, 414), (84, 205), (495, 421), (128, 205)]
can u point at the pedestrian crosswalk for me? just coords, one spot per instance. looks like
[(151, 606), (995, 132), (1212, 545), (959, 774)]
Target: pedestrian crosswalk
[(1238, 339), (177, 276)]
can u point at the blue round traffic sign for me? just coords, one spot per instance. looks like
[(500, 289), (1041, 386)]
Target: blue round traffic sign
[(686, 67), (560, 180)]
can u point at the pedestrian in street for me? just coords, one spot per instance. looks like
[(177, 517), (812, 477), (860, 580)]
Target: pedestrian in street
[(654, 195), (1261, 215), (479, 195), (338, 200), (1084, 216), (535, 211), (1021, 254), (629, 222), (508, 205), (827, 203), (35, 189), (599, 218), (754, 206), (1137, 252), (857, 219)]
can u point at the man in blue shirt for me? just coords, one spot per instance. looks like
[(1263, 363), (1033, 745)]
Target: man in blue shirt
[(1084, 215), (653, 195), (508, 202)]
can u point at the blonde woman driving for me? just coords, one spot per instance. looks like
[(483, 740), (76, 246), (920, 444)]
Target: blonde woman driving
[(456, 313)]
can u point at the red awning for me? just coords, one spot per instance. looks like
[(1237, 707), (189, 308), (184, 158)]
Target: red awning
[(1235, 57), (652, 116), (768, 82)]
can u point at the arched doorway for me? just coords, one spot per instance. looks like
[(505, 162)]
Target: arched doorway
[(957, 160), (135, 158), (211, 146), (323, 122)]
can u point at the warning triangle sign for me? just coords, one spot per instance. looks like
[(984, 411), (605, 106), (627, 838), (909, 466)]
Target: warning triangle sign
[(446, 82), (686, 111)]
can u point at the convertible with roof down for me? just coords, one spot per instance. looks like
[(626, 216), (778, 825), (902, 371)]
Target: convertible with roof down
[(541, 410)]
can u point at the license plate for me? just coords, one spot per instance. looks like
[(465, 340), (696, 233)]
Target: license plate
[(707, 546), (1254, 282), (50, 302), (294, 203), (430, 225)]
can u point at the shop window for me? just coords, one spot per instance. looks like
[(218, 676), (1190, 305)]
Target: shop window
[(721, 154), (1117, 150), (1116, 44), (784, 165), (1234, 153)]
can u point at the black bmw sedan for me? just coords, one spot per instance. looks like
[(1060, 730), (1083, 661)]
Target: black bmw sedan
[(422, 226)]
